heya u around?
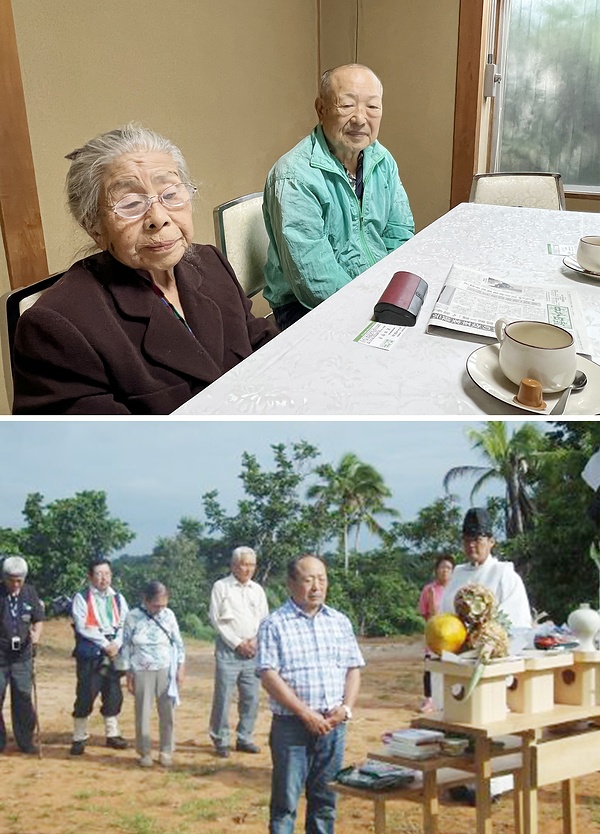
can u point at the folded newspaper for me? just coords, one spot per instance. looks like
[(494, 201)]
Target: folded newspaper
[(472, 301)]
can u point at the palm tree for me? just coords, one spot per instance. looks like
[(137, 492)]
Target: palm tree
[(509, 458), (356, 491)]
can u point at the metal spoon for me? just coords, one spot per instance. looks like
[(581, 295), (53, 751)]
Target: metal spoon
[(578, 383)]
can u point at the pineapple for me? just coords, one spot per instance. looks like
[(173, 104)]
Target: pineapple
[(474, 604), (487, 627)]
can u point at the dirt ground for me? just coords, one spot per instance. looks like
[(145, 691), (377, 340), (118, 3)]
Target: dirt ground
[(106, 791)]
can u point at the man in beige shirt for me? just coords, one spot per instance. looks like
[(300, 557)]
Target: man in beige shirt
[(237, 606)]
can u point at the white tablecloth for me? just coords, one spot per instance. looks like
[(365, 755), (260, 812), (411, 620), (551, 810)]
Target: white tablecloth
[(315, 367)]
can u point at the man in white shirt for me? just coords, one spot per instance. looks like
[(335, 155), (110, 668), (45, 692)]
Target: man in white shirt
[(98, 614), (509, 591), (484, 569), (237, 606)]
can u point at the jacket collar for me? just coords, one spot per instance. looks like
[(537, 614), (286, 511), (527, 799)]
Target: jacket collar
[(166, 340), (321, 156)]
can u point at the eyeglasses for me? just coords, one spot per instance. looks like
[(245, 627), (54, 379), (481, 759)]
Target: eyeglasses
[(136, 205)]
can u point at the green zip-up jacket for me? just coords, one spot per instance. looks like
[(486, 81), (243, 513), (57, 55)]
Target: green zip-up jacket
[(320, 237)]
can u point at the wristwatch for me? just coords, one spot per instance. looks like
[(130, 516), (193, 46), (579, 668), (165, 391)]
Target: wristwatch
[(348, 712)]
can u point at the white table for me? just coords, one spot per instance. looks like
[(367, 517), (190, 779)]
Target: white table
[(315, 367)]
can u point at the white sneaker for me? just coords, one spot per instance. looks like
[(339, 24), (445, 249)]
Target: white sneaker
[(427, 705), (146, 761), (165, 759)]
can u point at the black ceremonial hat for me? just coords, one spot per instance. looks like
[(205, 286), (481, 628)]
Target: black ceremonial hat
[(477, 523)]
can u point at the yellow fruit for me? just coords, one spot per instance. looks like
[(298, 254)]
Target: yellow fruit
[(445, 632)]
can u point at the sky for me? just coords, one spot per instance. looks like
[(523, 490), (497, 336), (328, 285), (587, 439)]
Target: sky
[(155, 472)]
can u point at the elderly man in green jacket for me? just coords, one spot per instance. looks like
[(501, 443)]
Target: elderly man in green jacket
[(333, 205)]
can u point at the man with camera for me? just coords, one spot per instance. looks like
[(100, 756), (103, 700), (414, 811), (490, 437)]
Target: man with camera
[(21, 617), (98, 614)]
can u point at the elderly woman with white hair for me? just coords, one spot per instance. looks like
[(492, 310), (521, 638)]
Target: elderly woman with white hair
[(153, 656), (21, 617), (153, 318)]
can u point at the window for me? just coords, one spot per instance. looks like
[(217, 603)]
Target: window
[(547, 112)]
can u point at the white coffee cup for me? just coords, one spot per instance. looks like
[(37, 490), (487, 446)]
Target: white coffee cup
[(588, 253), (537, 350)]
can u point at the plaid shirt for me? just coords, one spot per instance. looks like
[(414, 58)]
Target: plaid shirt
[(311, 654)]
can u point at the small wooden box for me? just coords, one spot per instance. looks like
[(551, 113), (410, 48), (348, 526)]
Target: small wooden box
[(532, 691), (488, 702), (579, 685)]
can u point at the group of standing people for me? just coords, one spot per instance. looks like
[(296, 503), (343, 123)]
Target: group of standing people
[(304, 653)]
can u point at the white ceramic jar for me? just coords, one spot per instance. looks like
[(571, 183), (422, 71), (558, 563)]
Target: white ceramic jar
[(584, 622)]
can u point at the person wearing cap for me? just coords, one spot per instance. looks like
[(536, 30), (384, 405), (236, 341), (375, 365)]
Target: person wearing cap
[(509, 591), (482, 568), (21, 618), (99, 614)]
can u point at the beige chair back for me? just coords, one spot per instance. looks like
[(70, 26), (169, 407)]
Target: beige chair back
[(529, 190), (241, 236)]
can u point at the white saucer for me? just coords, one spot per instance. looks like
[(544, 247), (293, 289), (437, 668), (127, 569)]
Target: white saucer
[(571, 263), (484, 369)]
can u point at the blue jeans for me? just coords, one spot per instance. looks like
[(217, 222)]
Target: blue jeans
[(302, 760), (233, 671)]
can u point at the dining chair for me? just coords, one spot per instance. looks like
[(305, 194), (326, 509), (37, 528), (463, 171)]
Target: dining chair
[(12, 305), (241, 236), (522, 189)]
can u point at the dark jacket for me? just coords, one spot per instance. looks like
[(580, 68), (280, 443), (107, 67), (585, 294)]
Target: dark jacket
[(99, 341), (29, 611)]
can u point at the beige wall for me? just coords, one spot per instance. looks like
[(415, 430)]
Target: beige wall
[(213, 76)]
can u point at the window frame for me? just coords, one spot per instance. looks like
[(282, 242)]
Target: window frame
[(473, 115)]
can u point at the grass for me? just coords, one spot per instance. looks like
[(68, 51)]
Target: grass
[(214, 809), (139, 824)]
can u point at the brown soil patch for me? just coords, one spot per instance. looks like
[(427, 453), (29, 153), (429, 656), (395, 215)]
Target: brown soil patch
[(105, 790)]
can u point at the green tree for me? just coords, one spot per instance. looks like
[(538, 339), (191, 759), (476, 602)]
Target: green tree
[(436, 531), (272, 517), (61, 537), (553, 556), (510, 458), (378, 598), (354, 493)]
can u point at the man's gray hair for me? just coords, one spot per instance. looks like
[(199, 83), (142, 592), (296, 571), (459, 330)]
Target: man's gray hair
[(239, 553), (14, 566), (90, 164), (325, 82)]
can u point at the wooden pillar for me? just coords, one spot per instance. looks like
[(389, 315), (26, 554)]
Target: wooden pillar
[(472, 42), (20, 219)]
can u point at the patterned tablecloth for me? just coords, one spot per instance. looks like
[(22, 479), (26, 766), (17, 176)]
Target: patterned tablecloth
[(316, 368)]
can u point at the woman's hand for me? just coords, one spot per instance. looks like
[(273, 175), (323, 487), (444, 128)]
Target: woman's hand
[(130, 682)]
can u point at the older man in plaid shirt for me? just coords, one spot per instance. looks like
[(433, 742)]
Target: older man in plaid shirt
[(309, 663)]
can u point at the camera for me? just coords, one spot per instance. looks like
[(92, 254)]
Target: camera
[(15, 644)]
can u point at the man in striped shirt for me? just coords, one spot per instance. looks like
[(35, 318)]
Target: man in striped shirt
[(309, 663)]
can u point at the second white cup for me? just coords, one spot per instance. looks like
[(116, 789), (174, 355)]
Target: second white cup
[(537, 350), (588, 253)]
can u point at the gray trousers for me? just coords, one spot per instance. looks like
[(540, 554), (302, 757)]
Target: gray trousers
[(18, 674), (150, 687), (231, 672)]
